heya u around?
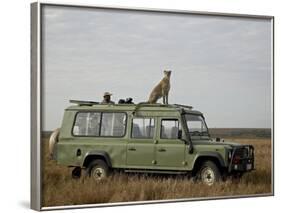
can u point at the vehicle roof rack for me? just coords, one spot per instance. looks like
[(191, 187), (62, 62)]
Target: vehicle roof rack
[(163, 105), (83, 103), (137, 106), (145, 104), (184, 106)]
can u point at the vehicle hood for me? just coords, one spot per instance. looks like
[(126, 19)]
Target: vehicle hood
[(222, 143)]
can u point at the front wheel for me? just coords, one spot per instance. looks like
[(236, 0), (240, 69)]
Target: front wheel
[(98, 170), (209, 173)]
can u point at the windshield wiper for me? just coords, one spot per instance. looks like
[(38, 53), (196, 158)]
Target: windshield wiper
[(205, 133), (197, 133)]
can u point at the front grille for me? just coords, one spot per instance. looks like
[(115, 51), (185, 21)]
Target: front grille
[(242, 152), (242, 157)]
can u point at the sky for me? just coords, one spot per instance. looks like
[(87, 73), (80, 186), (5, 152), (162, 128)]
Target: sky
[(220, 65)]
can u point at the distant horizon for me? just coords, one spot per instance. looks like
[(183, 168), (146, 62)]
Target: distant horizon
[(222, 66)]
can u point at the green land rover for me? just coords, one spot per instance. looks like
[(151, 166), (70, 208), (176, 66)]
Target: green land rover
[(149, 138)]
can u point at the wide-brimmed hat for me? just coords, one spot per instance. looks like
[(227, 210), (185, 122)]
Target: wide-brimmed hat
[(107, 94)]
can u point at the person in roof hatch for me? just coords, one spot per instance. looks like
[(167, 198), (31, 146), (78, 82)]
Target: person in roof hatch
[(107, 98)]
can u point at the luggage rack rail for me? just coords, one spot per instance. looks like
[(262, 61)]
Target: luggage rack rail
[(83, 103), (139, 105)]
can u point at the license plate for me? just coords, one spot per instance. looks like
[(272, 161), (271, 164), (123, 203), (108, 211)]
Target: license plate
[(249, 166)]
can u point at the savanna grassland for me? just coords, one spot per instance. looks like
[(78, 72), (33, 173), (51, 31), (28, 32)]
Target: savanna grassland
[(60, 189)]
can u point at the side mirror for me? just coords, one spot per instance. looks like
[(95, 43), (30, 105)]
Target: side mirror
[(180, 134), (219, 140)]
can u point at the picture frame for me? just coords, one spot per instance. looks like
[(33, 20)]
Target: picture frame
[(37, 81)]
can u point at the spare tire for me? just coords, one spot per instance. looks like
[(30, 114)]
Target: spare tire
[(54, 138)]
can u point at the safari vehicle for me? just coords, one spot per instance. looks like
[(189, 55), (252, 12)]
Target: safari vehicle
[(150, 138)]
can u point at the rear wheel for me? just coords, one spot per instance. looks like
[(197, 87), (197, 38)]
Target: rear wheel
[(209, 173), (98, 170), (76, 173)]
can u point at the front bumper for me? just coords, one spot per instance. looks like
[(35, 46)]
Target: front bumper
[(246, 162)]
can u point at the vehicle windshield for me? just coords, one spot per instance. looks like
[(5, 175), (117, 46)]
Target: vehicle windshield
[(196, 125)]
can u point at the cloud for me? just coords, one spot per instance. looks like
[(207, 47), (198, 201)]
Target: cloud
[(217, 62)]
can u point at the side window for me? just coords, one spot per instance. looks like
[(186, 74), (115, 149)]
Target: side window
[(143, 128), (113, 124), (87, 123), (170, 128), (99, 124)]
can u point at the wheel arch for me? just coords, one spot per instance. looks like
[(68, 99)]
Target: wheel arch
[(95, 155), (207, 156)]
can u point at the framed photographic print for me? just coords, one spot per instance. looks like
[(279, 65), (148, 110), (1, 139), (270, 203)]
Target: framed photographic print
[(134, 105)]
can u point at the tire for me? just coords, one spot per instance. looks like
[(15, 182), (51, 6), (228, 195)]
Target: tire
[(52, 142), (98, 170), (209, 173), (76, 173)]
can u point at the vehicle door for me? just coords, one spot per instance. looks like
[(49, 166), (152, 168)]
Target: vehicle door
[(169, 149), (140, 146)]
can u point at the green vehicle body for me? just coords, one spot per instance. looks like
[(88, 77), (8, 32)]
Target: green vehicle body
[(156, 154)]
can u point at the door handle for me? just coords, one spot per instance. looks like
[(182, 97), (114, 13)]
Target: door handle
[(161, 150), (132, 149)]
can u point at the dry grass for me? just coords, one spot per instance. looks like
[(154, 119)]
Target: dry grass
[(60, 189)]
